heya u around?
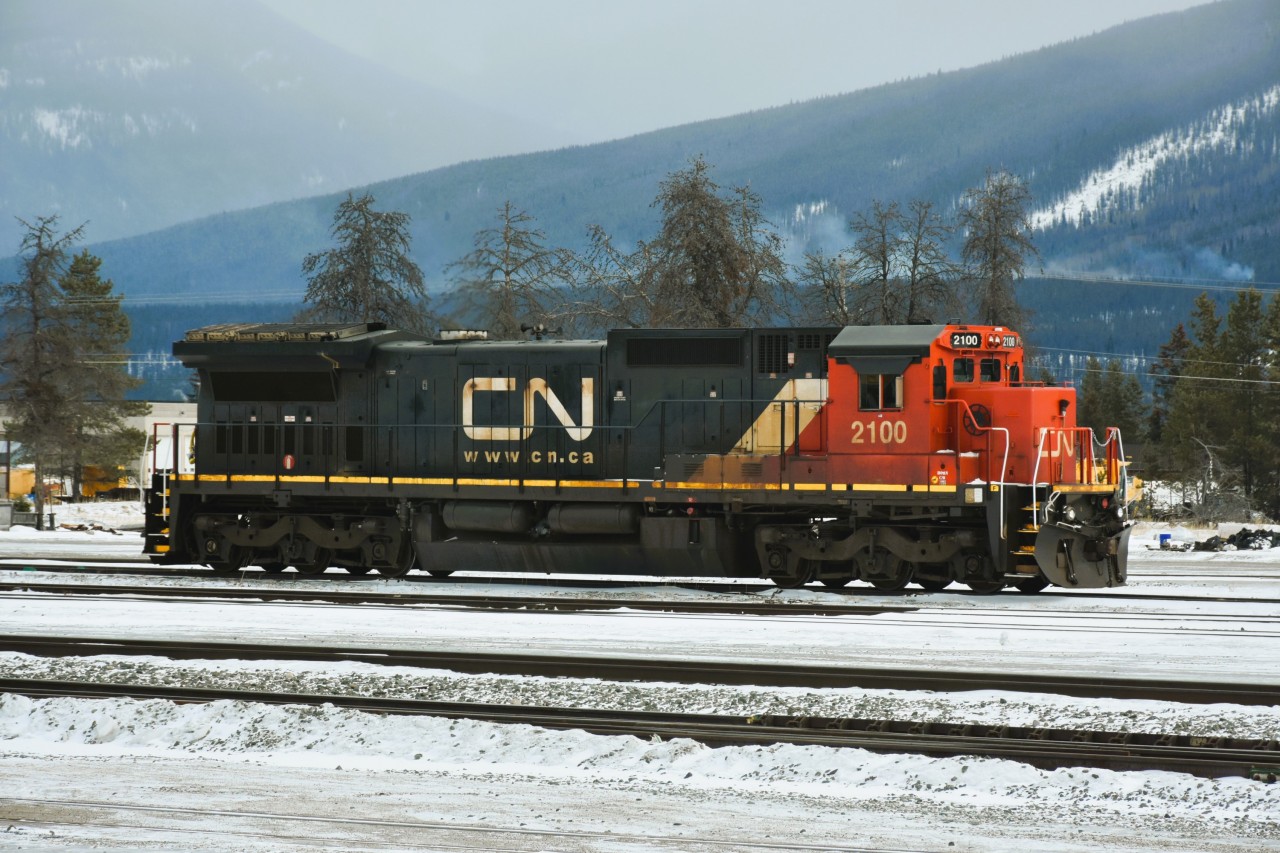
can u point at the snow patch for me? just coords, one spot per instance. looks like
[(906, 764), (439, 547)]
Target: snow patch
[(67, 127), (1125, 177)]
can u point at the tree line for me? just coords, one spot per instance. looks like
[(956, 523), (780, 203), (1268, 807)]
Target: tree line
[(63, 361), (1209, 422), (1212, 420), (715, 261)]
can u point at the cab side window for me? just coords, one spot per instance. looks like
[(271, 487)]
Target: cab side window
[(962, 370), (879, 391), (989, 370)]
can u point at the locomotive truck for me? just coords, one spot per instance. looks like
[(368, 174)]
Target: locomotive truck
[(883, 454)]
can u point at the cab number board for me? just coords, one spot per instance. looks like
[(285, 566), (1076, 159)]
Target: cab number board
[(965, 340)]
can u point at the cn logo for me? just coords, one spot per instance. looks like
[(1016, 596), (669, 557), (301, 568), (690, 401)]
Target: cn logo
[(1057, 444), (532, 391)]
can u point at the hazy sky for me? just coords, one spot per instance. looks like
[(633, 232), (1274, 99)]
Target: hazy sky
[(598, 69)]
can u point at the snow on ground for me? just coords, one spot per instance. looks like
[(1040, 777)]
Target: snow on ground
[(115, 774)]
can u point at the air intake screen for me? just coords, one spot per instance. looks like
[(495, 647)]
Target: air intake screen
[(773, 354), (684, 352), (246, 387)]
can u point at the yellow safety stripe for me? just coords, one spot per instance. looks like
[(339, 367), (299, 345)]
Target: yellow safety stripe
[(592, 484)]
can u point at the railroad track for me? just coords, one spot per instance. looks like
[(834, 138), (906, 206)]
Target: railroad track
[(790, 609), (681, 671), (1047, 748), (112, 566), (742, 606)]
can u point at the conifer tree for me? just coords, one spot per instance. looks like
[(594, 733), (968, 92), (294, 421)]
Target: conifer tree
[(369, 276), (36, 350), (97, 388)]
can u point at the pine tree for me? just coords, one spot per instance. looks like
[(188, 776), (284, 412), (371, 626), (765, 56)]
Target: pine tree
[(369, 277), (1246, 349), (1089, 399), (1197, 407), (1167, 369), (100, 331), (37, 351)]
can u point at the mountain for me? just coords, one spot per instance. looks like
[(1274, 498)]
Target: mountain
[(1151, 149), (135, 114)]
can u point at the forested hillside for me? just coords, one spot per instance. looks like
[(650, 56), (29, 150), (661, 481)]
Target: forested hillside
[(1200, 86)]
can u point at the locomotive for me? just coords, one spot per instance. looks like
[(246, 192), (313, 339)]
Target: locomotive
[(884, 454)]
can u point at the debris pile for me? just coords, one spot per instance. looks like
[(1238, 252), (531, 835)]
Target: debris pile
[(1243, 540)]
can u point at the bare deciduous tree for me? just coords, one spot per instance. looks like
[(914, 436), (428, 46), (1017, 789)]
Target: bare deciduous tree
[(997, 245), (511, 278)]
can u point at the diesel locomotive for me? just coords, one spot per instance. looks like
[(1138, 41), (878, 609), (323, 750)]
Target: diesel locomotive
[(883, 454)]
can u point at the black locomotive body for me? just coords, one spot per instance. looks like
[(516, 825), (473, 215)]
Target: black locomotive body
[(794, 454)]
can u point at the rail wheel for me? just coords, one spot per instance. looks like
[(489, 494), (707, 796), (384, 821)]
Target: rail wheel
[(885, 571), (985, 587), (232, 559), (273, 567), (441, 573), (933, 577), (403, 562), (805, 570), (836, 583), (316, 564), (1031, 585), (357, 570)]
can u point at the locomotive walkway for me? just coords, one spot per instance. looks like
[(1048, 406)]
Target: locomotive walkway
[(1047, 748)]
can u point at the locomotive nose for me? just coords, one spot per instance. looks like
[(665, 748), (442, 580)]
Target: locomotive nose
[(1076, 559)]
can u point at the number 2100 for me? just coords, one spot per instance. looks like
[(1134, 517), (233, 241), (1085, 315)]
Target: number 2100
[(879, 432)]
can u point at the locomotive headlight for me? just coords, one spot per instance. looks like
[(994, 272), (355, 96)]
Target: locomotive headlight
[(1069, 513)]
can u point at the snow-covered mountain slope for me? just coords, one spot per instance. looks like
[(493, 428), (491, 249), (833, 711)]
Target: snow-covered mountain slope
[(134, 115)]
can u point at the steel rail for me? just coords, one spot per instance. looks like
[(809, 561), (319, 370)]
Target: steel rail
[(1210, 757), (649, 669), (290, 579), (743, 606)]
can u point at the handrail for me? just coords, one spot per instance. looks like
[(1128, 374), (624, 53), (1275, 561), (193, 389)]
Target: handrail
[(1004, 462)]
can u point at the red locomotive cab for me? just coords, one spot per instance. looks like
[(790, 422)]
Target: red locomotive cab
[(937, 406), (880, 423)]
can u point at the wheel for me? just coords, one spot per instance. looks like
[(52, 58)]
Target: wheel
[(835, 583), (884, 571), (804, 573), (441, 573), (402, 563), (1031, 585), (273, 567), (317, 564), (237, 557), (357, 570), (933, 577), (985, 587), (891, 584)]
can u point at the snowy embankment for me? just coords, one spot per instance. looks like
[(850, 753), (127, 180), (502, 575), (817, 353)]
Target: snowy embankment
[(444, 783)]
